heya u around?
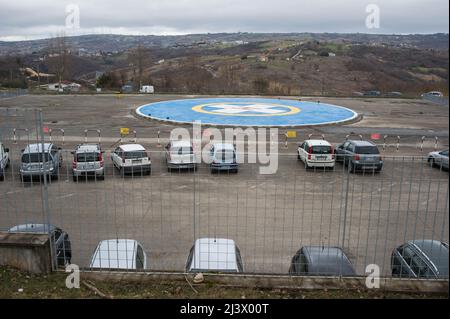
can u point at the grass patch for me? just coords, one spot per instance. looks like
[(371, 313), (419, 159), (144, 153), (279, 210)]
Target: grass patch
[(17, 284)]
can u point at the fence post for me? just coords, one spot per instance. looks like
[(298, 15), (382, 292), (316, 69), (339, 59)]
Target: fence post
[(44, 187), (436, 142)]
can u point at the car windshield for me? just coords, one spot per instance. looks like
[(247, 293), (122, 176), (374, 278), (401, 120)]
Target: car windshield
[(35, 158), (225, 155), (367, 150), (182, 150), (135, 155), (445, 153), (321, 149), (87, 157)]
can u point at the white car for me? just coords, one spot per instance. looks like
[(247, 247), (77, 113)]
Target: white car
[(439, 159), (119, 254), (316, 153), (214, 255), (4, 161), (180, 155), (433, 93), (88, 161), (131, 158)]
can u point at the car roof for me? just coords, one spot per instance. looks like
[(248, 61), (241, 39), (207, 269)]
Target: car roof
[(181, 143), (361, 143), (37, 148), (33, 228), (214, 254), (83, 148), (132, 147), (435, 251), (223, 146), (318, 143), (115, 254), (327, 261)]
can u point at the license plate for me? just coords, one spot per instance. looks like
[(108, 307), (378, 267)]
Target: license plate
[(136, 161), (321, 157)]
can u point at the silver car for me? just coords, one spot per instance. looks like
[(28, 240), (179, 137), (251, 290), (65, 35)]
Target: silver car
[(180, 155), (88, 161), (439, 159), (38, 161)]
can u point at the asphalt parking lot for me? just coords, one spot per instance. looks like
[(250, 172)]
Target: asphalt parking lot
[(269, 216)]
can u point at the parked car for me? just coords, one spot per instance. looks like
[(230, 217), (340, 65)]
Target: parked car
[(214, 255), (88, 161), (433, 93), (321, 261), (38, 161), (119, 254), (420, 258), (59, 238), (316, 153), (439, 159), (223, 158), (360, 156), (180, 155), (131, 158), (4, 161), (372, 93), (394, 94)]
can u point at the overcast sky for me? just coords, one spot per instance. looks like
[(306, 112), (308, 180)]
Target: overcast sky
[(32, 19)]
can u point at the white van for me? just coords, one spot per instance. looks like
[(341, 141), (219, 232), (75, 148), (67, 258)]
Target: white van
[(316, 153), (131, 158)]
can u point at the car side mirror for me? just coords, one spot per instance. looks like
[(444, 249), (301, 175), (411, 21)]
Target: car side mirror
[(59, 149), (72, 152)]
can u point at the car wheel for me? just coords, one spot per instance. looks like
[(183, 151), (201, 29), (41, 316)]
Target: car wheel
[(101, 177), (2, 178), (74, 178), (431, 161), (298, 156)]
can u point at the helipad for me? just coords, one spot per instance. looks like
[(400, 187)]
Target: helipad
[(247, 112)]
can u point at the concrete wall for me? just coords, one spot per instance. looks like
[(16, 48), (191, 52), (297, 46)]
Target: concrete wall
[(25, 251)]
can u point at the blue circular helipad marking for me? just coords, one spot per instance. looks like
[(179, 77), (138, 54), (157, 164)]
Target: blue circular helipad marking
[(247, 112)]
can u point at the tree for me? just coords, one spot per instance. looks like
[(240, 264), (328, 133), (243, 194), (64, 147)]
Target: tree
[(59, 57), (260, 85), (139, 59)]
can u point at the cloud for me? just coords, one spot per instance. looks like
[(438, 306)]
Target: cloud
[(28, 19)]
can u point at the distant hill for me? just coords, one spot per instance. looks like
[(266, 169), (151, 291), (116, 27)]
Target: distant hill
[(113, 43), (243, 63)]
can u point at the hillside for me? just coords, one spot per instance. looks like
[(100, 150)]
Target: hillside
[(244, 63)]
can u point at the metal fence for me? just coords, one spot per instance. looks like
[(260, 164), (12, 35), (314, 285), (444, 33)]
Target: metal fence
[(269, 217)]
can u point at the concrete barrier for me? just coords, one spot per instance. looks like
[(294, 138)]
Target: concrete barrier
[(26, 251)]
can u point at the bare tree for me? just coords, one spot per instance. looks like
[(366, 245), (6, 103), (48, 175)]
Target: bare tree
[(139, 59), (59, 57)]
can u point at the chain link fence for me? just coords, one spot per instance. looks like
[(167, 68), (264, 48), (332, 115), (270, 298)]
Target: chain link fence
[(269, 217)]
